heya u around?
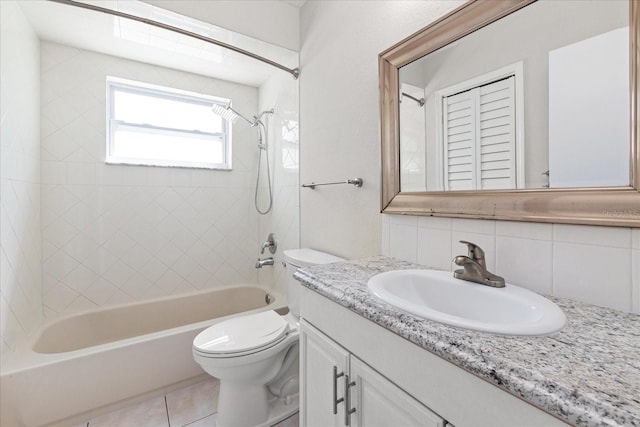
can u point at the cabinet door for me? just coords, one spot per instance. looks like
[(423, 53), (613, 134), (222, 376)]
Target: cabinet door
[(380, 403), (319, 389)]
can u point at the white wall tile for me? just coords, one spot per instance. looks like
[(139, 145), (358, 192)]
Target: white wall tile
[(403, 241), (598, 275), (591, 235), (80, 278), (385, 250), (439, 223), (20, 178), (54, 172), (525, 230), (525, 262), (406, 220), (635, 238), (109, 174), (100, 291), (434, 248), (635, 278), (59, 297), (115, 225), (477, 226), (134, 175)]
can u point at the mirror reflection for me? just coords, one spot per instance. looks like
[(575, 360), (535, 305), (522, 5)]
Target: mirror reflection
[(539, 99)]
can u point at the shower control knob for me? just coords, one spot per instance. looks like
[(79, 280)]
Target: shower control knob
[(269, 243)]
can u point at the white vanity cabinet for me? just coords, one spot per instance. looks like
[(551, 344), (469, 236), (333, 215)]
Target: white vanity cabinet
[(322, 364), (397, 383), (338, 389)]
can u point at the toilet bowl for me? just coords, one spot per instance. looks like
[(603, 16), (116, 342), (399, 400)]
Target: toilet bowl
[(255, 356)]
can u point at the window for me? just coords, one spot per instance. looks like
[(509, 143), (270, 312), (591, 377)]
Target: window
[(153, 125)]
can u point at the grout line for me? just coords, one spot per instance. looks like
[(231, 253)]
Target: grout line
[(166, 408), (289, 417), (199, 419)]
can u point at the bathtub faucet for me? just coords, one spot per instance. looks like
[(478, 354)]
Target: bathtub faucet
[(263, 262)]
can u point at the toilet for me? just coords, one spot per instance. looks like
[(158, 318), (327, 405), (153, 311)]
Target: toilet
[(255, 356)]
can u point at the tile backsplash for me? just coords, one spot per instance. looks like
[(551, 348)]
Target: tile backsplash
[(597, 265)]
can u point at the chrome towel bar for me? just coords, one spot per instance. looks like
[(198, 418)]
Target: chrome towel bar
[(356, 181)]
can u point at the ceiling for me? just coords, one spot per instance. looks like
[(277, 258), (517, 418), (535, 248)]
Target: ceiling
[(111, 35), (295, 3)]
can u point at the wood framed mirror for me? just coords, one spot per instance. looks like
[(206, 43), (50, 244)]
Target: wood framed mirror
[(611, 205)]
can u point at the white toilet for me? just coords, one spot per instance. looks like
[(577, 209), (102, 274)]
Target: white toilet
[(256, 356)]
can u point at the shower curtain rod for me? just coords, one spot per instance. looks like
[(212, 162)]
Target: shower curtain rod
[(295, 72)]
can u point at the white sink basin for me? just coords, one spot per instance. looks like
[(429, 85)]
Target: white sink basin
[(437, 295)]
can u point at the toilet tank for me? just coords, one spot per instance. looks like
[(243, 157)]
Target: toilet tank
[(297, 258)]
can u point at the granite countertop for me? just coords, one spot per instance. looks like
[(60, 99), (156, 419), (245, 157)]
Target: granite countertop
[(588, 374)]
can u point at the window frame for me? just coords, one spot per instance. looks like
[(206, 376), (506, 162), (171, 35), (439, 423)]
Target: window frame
[(114, 84)]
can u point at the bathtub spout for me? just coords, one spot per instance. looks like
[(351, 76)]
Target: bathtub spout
[(263, 262)]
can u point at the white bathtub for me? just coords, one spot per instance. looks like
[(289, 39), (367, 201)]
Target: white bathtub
[(84, 362)]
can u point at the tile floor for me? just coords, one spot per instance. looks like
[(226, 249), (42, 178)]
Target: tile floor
[(193, 406)]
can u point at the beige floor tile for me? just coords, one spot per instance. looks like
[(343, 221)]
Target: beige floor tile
[(209, 421), (292, 421), (152, 413), (193, 403)]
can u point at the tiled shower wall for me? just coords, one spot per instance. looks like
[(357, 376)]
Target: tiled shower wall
[(114, 234), (20, 241), (283, 219), (597, 265)]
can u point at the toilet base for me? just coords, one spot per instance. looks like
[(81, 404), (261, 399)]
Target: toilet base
[(279, 409)]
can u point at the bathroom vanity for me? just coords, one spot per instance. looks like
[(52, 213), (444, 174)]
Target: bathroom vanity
[(364, 363)]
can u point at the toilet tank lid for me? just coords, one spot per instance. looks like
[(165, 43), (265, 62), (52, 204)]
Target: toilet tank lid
[(305, 256)]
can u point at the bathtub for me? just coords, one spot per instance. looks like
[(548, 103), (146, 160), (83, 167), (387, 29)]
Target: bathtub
[(99, 360)]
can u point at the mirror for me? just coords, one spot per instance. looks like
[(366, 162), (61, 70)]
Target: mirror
[(531, 126)]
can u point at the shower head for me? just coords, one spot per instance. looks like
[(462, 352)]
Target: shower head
[(225, 112), (228, 113)]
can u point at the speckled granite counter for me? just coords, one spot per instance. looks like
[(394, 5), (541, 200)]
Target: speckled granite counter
[(588, 374)]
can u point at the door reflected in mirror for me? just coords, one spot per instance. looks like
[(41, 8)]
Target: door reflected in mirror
[(539, 99)]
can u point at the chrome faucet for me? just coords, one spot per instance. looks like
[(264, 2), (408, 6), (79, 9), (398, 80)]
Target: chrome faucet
[(270, 243), (474, 268), (263, 262)]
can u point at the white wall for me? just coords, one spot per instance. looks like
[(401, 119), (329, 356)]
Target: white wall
[(276, 22), (115, 234), (413, 168), (339, 133), (20, 286), (589, 129), (340, 138)]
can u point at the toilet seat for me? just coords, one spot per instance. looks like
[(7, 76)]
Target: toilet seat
[(242, 335)]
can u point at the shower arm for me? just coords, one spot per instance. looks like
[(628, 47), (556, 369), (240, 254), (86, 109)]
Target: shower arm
[(420, 101)]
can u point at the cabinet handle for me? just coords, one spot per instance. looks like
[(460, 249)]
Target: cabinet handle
[(336, 375), (348, 410)]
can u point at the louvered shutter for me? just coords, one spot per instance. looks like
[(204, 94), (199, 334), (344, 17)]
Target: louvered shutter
[(497, 159), (459, 112), (479, 138)]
